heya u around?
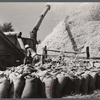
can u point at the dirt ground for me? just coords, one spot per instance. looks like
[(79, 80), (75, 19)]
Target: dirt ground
[(95, 94)]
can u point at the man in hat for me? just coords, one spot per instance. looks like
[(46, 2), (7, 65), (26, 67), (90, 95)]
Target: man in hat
[(31, 57)]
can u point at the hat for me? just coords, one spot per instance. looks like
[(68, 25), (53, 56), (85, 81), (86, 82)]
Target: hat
[(26, 46)]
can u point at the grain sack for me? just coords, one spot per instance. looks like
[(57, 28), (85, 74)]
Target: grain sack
[(76, 84), (61, 82), (17, 87), (97, 65), (42, 74), (7, 72), (98, 81), (4, 88), (50, 83), (41, 89), (41, 85), (11, 76), (84, 85), (31, 87), (68, 86), (92, 81), (27, 69)]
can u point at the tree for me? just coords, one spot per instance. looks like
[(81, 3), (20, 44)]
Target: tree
[(7, 27)]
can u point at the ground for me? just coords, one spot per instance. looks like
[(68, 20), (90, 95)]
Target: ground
[(95, 94)]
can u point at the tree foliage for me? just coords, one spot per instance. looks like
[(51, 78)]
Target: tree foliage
[(7, 27)]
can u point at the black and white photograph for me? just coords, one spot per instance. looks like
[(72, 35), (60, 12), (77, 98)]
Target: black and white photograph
[(50, 50)]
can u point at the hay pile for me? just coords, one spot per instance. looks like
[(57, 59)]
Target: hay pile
[(84, 26)]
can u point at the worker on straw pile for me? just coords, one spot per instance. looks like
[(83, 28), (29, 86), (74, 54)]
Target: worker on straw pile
[(31, 57)]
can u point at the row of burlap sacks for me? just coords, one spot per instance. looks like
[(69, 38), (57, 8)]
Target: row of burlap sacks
[(26, 82)]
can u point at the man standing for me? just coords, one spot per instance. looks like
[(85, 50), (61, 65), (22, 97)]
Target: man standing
[(31, 57)]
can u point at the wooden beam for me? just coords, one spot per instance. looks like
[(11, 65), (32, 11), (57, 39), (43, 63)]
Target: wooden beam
[(66, 51)]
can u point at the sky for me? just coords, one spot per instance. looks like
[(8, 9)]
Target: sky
[(23, 16)]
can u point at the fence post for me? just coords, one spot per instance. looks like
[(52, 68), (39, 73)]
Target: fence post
[(44, 54), (45, 50), (87, 52)]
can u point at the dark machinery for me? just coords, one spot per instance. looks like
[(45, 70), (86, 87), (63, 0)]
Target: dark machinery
[(33, 34), (12, 44)]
